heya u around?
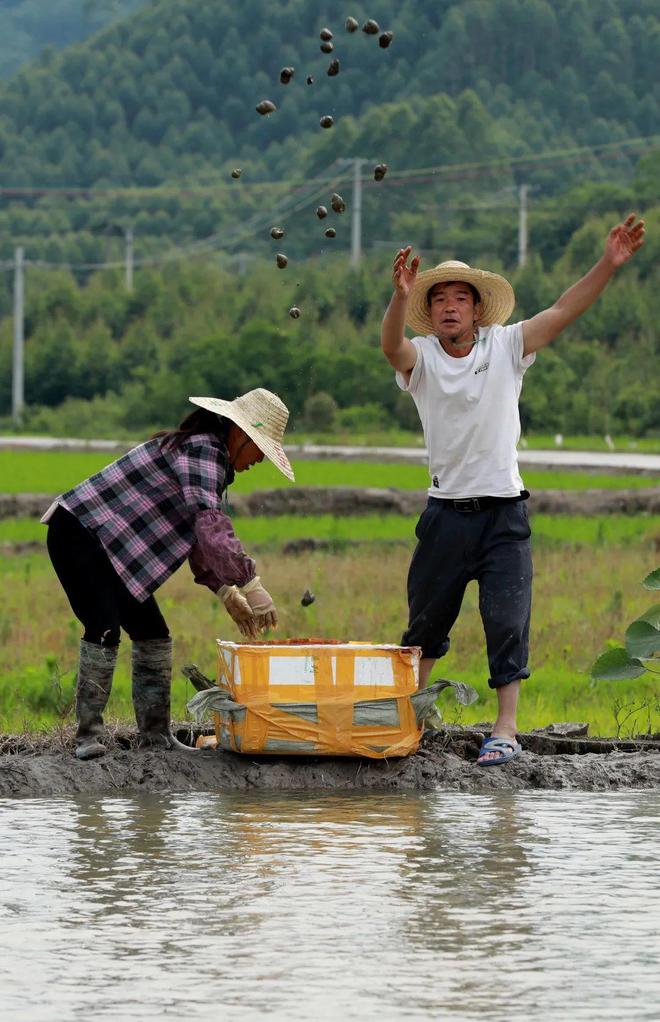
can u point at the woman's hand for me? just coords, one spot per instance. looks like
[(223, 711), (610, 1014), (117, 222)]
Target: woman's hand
[(261, 603), (239, 611)]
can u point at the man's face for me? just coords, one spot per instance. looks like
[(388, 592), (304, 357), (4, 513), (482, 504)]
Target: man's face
[(453, 311)]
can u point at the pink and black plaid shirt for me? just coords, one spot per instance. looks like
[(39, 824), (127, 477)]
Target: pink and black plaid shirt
[(151, 509)]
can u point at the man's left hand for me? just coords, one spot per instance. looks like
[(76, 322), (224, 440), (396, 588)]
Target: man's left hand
[(624, 240)]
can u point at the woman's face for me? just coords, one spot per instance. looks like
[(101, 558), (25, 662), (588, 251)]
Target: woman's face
[(243, 452)]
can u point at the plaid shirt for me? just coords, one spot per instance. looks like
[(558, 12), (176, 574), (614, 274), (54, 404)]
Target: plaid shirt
[(151, 509)]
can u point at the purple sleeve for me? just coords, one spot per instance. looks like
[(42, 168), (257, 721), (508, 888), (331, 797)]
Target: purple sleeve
[(217, 557)]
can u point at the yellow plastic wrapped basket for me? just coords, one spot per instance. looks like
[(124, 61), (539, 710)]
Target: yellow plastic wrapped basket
[(318, 697)]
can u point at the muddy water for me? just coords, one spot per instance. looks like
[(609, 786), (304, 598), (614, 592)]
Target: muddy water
[(305, 906)]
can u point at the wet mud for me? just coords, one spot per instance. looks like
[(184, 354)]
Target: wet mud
[(445, 761), (348, 500)]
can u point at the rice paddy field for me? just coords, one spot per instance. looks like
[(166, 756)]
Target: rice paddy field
[(586, 592), (52, 472)]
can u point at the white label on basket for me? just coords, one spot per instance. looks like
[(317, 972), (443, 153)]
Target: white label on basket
[(229, 660), (291, 670), (373, 670)]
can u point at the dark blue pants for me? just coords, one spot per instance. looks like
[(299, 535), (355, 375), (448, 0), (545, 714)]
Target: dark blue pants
[(454, 547)]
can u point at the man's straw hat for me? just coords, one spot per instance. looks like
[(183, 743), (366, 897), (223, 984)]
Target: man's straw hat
[(261, 415), (497, 298)]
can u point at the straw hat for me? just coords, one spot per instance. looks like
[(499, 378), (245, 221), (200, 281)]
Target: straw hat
[(261, 415), (497, 298)]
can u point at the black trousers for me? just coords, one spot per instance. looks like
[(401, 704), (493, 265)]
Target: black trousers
[(455, 547), (97, 595)]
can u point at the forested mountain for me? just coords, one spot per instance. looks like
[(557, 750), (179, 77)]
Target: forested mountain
[(29, 26), (138, 128), (166, 100), (173, 88)]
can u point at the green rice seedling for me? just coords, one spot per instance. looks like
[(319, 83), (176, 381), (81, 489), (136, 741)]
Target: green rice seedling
[(53, 472), (574, 617)]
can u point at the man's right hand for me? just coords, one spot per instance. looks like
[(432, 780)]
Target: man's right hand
[(240, 611), (404, 276)]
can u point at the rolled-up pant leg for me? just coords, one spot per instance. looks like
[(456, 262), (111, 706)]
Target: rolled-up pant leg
[(437, 579), (505, 593)]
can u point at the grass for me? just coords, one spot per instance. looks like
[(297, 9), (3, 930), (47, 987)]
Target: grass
[(53, 472), (585, 595), (549, 530)]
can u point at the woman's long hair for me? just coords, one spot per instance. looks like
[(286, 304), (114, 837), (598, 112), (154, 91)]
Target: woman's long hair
[(199, 421)]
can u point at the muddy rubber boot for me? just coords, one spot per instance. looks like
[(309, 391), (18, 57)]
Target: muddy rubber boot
[(95, 670), (152, 682)]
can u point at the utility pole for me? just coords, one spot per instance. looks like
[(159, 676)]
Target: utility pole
[(522, 225), (18, 387), (128, 258), (356, 213)]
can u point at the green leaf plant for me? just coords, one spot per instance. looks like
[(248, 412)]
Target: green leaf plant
[(642, 645)]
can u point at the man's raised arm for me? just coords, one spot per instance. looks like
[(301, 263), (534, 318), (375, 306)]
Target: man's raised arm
[(398, 350), (622, 243)]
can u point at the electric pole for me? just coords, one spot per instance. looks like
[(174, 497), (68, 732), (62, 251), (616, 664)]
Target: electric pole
[(18, 386), (522, 225), (128, 258), (356, 213)]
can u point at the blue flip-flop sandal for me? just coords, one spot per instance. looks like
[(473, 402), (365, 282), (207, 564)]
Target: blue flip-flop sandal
[(507, 748)]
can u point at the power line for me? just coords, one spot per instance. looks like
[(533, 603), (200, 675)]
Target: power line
[(217, 240), (569, 155)]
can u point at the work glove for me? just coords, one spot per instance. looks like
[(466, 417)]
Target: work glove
[(239, 611), (261, 603)]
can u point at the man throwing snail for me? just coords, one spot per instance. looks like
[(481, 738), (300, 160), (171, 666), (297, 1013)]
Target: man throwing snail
[(464, 369)]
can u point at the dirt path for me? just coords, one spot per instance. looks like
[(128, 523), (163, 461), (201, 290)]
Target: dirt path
[(445, 761)]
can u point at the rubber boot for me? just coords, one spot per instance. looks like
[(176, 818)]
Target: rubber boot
[(95, 670), (152, 683)]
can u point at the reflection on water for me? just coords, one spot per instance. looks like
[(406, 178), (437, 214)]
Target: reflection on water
[(307, 906)]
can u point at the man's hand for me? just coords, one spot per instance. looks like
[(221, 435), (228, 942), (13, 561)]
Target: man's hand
[(239, 611), (403, 276), (622, 243), (624, 240), (261, 603)]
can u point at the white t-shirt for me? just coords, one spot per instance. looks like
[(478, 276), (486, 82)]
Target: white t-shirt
[(469, 411)]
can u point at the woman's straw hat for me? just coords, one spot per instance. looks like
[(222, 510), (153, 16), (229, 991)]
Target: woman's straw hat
[(497, 298), (261, 415)]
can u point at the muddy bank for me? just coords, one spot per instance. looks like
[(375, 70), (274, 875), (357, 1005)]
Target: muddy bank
[(445, 761), (346, 500)]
